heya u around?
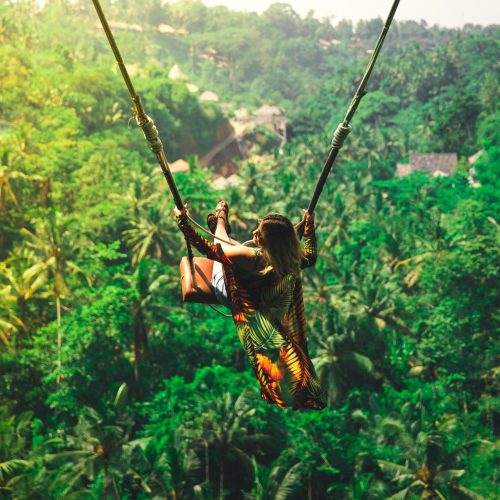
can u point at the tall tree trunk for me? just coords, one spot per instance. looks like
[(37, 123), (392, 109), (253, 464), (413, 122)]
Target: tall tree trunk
[(140, 345), (105, 485), (59, 340), (137, 355), (115, 488), (207, 465), (309, 487), (23, 331), (221, 482)]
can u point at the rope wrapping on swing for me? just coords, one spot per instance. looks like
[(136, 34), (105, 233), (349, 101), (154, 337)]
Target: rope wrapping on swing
[(340, 135), (151, 134), (344, 128)]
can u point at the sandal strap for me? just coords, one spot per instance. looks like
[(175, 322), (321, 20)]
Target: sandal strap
[(225, 217)]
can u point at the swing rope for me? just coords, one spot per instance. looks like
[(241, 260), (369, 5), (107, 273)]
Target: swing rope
[(344, 128), (153, 137)]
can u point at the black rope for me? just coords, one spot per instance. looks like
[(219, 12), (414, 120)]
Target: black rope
[(344, 128), (151, 135), (143, 120)]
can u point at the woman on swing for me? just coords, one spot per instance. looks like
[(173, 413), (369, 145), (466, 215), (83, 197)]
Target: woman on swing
[(262, 287)]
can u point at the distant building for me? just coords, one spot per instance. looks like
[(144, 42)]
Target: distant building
[(272, 118), (165, 28), (179, 165), (176, 73), (438, 164), (242, 114), (122, 26), (473, 182), (208, 96), (403, 169), (192, 87), (224, 182)]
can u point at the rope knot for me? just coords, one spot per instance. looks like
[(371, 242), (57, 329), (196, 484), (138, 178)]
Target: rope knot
[(151, 134), (339, 135)]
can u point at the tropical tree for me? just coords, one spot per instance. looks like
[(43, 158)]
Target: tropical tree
[(141, 193), (10, 322), (339, 366), (13, 451), (18, 291), (151, 235), (171, 469), (149, 285), (53, 245), (225, 426), (427, 468), (100, 444)]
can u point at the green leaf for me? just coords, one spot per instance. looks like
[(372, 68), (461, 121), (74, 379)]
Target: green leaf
[(401, 495)]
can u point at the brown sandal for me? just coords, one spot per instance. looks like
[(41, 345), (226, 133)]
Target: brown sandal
[(222, 207), (212, 223)]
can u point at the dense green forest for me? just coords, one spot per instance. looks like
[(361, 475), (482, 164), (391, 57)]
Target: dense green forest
[(112, 388)]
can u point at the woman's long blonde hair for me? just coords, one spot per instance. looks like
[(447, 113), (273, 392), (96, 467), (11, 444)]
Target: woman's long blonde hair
[(280, 246)]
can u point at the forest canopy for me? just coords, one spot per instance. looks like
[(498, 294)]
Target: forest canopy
[(113, 388)]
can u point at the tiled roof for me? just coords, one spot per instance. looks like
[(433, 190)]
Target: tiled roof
[(267, 111), (435, 162), (403, 169), (208, 96)]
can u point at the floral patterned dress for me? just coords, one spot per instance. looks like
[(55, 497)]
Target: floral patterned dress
[(268, 313)]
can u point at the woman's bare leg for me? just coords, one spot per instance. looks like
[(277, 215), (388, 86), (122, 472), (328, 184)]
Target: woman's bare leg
[(217, 274), (221, 232)]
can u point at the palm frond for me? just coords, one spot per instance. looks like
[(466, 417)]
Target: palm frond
[(291, 482), (12, 467), (401, 495)]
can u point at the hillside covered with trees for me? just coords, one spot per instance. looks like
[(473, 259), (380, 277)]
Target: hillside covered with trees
[(112, 388)]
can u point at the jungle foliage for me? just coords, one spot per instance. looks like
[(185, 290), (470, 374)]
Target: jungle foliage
[(112, 388)]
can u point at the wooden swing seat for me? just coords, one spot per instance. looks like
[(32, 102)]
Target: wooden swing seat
[(199, 289)]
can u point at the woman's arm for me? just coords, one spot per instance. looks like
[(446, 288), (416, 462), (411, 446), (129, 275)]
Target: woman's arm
[(225, 253), (309, 250)]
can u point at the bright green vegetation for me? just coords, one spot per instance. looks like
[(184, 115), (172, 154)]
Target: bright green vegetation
[(401, 305)]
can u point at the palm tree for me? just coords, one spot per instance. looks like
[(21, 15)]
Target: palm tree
[(426, 467), (224, 427), (339, 216), (53, 244), (375, 293), (308, 477), (19, 290), (173, 468), (148, 284), (6, 190), (8, 196), (281, 483), (435, 244), (367, 487), (152, 235), (338, 363), (12, 444), (141, 193), (10, 322), (100, 444)]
